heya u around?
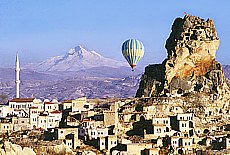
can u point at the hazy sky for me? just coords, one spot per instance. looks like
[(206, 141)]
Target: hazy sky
[(39, 29)]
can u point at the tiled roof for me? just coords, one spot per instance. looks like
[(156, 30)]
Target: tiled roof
[(22, 100), (56, 112), (67, 101), (48, 103)]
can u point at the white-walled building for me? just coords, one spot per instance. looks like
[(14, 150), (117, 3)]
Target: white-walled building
[(69, 136), (34, 113), (45, 122), (93, 133), (67, 104), (50, 106), (186, 122), (107, 142), (56, 114), (161, 125), (22, 103)]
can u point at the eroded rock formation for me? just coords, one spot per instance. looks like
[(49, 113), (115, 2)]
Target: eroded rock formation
[(191, 64), (13, 149)]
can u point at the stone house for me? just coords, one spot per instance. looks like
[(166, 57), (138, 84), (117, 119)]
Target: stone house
[(151, 151), (21, 123), (134, 148), (183, 144), (227, 142), (175, 141), (68, 135), (81, 104), (94, 133), (107, 142), (66, 104), (183, 122), (111, 116), (176, 109), (6, 125)]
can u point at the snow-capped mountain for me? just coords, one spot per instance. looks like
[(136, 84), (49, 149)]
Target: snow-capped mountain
[(76, 59)]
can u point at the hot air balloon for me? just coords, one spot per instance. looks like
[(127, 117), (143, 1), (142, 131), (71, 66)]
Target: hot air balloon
[(133, 51)]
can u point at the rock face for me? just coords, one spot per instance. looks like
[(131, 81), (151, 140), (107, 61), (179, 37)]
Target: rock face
[(7, 148), (191, 64), (14, 149)]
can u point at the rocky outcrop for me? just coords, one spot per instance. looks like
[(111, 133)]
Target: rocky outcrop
[(7, 148), (13, 149), (191, 64), (60, 149)]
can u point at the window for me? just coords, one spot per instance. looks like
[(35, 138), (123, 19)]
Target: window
[(61, 132), (86, 106), (182, 124), (22, 121), (102, 143)]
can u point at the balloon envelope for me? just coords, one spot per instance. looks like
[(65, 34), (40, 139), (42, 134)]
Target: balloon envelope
[(133, 51)]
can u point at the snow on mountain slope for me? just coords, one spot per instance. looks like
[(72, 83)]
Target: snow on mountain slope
[(76, 59)]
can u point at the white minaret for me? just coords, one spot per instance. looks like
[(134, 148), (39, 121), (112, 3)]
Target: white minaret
[(17, 70)]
